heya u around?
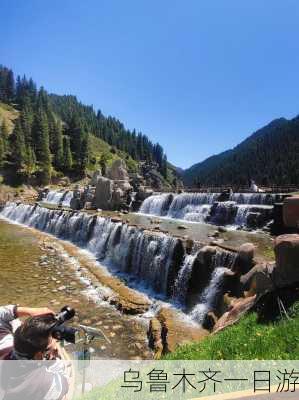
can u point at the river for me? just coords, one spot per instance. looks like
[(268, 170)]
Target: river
[(36, 271)]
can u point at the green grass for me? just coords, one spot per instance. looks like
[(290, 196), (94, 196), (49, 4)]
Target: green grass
[(247, 340), (99, 147), (8, 114)]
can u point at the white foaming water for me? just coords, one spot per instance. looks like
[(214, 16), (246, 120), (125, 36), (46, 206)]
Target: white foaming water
[(53, 197), (208, 296), (182, 280), (189, 206), (156, 204), (253, 198), (62, 198), (66, 202), (204, 207), (241, 216), (147, 261)]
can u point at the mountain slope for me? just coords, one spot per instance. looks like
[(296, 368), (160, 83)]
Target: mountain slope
[(269, 156)]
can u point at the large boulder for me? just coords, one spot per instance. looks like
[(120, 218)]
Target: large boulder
[(291, 212), (258, 281), (245, 258), (238, 308), (118, 171), (144, 192), (287, 260), (103, 193), (95, 177), (117, 198)]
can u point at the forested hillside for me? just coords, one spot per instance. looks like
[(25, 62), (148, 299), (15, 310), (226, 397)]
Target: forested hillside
[(269, 156), (43, 135)]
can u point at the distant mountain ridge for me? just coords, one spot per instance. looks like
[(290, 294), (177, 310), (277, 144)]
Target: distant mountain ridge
[(269, 156)]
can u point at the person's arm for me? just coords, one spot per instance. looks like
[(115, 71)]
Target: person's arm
[(32, 312), (10, 312)]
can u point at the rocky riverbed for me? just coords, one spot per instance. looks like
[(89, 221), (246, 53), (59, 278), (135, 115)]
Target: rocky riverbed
[(36, 270)]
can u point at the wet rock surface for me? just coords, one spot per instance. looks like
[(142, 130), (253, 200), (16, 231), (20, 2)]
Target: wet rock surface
[(169, 330)]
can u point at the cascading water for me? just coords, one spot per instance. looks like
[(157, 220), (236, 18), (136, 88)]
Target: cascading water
[(122, 247), (146, 258), (208, 296), (189, 206), (59, 198), (182, 280), (222, 263), (206, 207), (66, 202), (156, 205), (53, 197)]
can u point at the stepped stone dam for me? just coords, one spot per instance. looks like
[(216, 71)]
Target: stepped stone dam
[(240, 210), (209, 285), (187, 275)]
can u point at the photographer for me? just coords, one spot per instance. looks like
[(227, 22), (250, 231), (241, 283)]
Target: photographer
[(32, 340)]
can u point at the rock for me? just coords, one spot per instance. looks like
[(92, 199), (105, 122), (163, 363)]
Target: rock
[(96, 175), (239, 308), (225, 195), (209, 321), (86, 322), (117, 199), (61, 288), (174, 330), (290, 212), (182, 227), (223, 213), (222, 229), (116, 219), (75, 203), (245, 258), (103, 193), (258, 281), (118, 171), (143, 193), (286, 250)]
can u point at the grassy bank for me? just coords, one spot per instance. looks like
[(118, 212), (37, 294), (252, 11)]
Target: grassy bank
[(249, 339)]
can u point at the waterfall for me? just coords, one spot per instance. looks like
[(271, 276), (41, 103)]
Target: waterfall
[(66, 202), (206, 207), (149, 260), (157, 204), (222, 263), (241, 216), (59, 198), (145, 257), (53, 197), (254, 198), (189, 206), (182, 280), (208, 296)]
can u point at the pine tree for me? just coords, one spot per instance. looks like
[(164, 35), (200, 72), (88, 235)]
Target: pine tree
[(18, 148), (57, 146), (84, 156), (42, 149), (30, 164), (164, 167), (67, 154), (5, 135), (2, 152), (10, 86)]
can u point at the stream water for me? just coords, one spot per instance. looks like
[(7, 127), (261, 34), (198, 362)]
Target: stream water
[(34, 273)]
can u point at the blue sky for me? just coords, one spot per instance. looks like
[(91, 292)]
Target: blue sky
[(197, 75)]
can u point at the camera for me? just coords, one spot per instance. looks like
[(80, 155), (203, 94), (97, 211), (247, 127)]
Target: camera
[(61, 332)]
